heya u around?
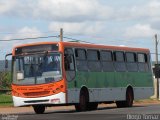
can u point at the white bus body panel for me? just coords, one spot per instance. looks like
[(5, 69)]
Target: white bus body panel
[(109, 94), (59, 98)]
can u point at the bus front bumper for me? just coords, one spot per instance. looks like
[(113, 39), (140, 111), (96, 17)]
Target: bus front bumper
[(53, 99)]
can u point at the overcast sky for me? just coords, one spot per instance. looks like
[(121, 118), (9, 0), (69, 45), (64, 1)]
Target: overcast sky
[(114, 22)]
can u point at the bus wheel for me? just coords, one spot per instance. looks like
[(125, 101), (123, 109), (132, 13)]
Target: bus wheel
[(83, 102), (92, 106), (39, 109), (129, 98)]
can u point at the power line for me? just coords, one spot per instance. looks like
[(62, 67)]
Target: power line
[(95, 37), (19, 39), (100, 37), (70, 38), (110, 41), (16, 33), (77, 40), (154, 53)]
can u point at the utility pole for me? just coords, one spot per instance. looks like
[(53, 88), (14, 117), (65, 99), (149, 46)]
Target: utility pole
[(61, 34), (156, 58)]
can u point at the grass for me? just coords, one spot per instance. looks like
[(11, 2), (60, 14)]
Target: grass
[(5, 100)]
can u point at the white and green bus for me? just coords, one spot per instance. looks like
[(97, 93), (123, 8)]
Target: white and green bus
[(68, 73)]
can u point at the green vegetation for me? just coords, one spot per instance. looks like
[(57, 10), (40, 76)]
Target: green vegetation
[(5, 85), (5, 100), (5, 80)]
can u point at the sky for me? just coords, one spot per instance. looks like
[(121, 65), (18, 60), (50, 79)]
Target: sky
[(110, 22)]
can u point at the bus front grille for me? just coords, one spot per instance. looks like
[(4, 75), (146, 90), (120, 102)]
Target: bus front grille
[(36, 101), (32, 94)]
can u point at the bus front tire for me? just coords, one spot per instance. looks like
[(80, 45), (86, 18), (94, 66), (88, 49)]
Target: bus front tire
[(129, 100), (39, 109)]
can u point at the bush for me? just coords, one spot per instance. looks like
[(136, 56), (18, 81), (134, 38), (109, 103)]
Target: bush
[(5, 80)]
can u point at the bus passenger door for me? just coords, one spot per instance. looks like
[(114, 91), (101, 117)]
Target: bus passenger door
[(69, 67)]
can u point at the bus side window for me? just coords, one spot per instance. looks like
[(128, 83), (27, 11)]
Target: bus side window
[(93, 57), (131, 62), (142, 62), (69, 64), (119, 61), (81, 62), (69, 60), (107, 60)]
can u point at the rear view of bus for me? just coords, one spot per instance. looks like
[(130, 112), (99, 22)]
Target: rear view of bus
[(37, 76)]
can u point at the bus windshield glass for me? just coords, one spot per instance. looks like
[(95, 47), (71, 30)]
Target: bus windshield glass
[(37, 69)]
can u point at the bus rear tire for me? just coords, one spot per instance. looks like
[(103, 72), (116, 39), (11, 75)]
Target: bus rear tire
[(129, 100), (83, 102), (39, 109)]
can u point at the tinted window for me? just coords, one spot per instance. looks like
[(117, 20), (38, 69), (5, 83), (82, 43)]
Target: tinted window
[(80, 54), (93, 60), (92, 55), (131, 62), (141, 58), (106, 55), (131, 57), (81, 61), (119, 56), (68, 51), (69, 59), (143, 62)]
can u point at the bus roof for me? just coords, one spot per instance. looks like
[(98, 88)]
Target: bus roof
[(105, 47), (88, 45)]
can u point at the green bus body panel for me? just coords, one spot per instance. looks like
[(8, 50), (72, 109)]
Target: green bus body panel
[(111, 79)]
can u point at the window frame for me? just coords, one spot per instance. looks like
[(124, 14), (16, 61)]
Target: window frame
[(95, 60), (115, 57), (145, 57), (135, 57), (146, 61), (77, 53), (107, 61), (98, 54), (77, 59), (72, 57), (112, 59)]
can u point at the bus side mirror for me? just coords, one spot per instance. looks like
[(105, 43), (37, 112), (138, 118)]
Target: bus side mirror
[(6, 61)]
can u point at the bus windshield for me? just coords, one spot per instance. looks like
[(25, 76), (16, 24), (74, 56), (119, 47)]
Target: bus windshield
[(37, 69)]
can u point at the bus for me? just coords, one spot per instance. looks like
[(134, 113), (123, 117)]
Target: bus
[(46, 74)]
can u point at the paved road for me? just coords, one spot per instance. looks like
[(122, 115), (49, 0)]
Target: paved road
[(147, 112)]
